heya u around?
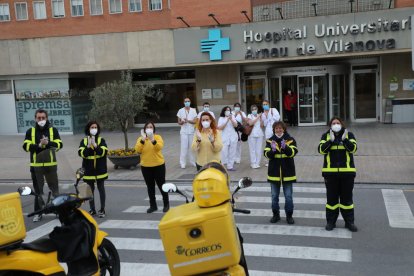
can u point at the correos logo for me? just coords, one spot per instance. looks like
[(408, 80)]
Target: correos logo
[(215, 44), (180, 250)]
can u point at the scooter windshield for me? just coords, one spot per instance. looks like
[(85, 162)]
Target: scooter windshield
[(59, 200)]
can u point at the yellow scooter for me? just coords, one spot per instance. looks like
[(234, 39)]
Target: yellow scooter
[(78, 242), (201, 238)]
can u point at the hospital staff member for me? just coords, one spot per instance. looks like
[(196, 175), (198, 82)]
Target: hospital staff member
[(187, 117), (227, 124), (255, 138), (241, 118)]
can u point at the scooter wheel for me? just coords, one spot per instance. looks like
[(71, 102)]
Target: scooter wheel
[(108, 258)]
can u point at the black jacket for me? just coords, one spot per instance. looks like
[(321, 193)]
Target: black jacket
[(338, 155), (281, 163), (94, 159), (42, 155)]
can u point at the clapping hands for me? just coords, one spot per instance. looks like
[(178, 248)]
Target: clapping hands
[(273, 145), (344, 136), (143, 135), (283, 144)]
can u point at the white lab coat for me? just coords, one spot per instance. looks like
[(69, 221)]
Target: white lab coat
[(229, 138), (272, 116), (187, 133), (255, 142), (239, 118)]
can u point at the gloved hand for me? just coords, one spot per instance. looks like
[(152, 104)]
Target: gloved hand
[(345, 134), (211, 138), (283, 144), (143, 135), (93, 142), (273, 145), (332, 135), (44, 140), (89, 142)]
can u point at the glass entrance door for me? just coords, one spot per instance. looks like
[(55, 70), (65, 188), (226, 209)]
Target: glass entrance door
[(312, 99), (255, 92), (365, 95)]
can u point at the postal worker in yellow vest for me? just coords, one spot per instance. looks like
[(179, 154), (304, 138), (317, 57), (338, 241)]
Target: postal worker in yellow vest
[(43, 141)]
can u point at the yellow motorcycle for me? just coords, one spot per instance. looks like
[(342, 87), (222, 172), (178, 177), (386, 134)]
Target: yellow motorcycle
[(201, 237), (78, 242)]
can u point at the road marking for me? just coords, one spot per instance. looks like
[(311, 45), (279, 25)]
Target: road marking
[(258, 199), (254, 212), (257, 250), (41, 231), (398, 210), (269, 229), (312, 190), (133, 269)]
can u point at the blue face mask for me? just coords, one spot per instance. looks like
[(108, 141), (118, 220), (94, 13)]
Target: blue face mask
[(254, 112), (206, 109), (266, 107), (187, 104), (237, 109)]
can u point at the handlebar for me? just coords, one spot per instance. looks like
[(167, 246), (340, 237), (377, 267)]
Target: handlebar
[(49, 208), (244, 211)]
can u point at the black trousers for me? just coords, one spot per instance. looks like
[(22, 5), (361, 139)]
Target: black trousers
[(38, 177), (101, 189), (38, 202), (339, 189), (292, 117), (154, 175)]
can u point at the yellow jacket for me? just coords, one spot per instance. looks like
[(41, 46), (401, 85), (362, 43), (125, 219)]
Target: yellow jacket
[(207, 151), (151, 153)]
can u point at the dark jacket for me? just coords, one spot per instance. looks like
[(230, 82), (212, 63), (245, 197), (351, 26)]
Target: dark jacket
[(42, 155), (338, 155), (281, 163), (94, 159)]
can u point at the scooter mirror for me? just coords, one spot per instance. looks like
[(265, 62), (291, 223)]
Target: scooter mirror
[(24, 191), (80, 173), (169, 188), (245, 182)]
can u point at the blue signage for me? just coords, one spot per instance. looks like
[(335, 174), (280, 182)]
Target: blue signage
[(215, 44)]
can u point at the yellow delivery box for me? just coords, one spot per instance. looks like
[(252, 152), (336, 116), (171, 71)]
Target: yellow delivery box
[(12, 228), (197, 240)]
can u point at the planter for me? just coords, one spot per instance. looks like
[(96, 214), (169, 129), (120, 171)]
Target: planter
[(128, 162)]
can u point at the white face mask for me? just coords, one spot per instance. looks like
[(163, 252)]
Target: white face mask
[(237, 109), (149, 131), (226, 113), (42, 123), (206, 124), (279, 136), (336, 127), (93, 131)]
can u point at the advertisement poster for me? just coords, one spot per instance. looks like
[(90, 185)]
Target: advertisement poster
[(206, 94), (408, 84), (218, 93)]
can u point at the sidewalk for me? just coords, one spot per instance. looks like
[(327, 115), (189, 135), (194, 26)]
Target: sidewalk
[(385, 155)]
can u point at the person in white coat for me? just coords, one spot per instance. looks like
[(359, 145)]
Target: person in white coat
[(187, 117), (256, 137), (227, 124), (241, 118), (206, 108), (269, 116)]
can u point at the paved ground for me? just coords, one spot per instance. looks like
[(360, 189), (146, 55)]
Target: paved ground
[(385, 155)]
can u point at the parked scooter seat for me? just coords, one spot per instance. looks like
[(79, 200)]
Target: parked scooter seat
[(44, 245)]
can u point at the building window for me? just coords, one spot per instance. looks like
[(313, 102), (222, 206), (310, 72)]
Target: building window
[(77, 7), (95, 7), (135, 5), (5, 85), (21, 11), (4, 12), (39, 10), (58, 8), (115, 6), (155, 5)]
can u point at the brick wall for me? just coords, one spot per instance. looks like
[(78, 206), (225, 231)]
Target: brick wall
[(404, 3), (194, 12)]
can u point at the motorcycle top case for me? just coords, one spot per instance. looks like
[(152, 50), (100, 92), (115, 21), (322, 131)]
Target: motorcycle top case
[(198, 240), (12, 228)]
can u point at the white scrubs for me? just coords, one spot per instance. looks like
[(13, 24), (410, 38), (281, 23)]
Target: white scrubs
[(255, 142), (187, 133), (272, 116), (239, 118), (229, 138)]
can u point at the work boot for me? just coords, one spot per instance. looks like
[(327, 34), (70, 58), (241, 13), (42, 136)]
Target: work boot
[(351, 227), (152, 209), (276, 217), (330, 226), (166, 207), (290, 220)]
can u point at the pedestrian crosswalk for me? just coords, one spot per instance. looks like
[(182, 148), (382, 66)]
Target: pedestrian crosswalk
[(135, 234)]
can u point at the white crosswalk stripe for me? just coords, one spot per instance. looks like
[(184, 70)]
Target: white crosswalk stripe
[(398, 210)]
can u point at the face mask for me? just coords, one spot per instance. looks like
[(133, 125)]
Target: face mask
[(42, 123), (206, 108), (237, 109), (254, 112), (149, 131), (336, 127), (206, 124), (187, 104), (279, 136), (266, 107), (227, 113), (289, 92), (93, 131)]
